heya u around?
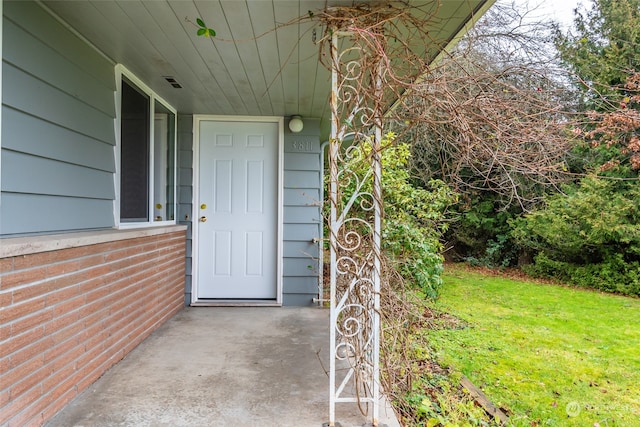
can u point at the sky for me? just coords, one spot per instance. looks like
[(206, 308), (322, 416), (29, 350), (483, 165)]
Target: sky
[(559, 10)]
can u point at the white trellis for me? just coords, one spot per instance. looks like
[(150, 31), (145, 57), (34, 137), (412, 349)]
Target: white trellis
[(355, 233)]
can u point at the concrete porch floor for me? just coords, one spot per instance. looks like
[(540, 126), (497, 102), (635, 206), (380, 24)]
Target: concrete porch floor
[(222, 366)]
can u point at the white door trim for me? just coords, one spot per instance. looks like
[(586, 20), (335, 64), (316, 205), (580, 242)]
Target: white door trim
[(197, 118)]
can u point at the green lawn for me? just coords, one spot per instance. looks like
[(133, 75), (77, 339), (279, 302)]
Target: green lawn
[(551, 355)]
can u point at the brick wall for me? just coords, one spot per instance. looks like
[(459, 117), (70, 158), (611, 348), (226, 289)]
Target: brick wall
[(68, 315)]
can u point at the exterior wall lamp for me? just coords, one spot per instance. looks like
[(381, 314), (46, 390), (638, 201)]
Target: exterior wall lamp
[(296, 124)]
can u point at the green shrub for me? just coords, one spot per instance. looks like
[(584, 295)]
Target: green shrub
[(589, 236), (589, 223), (414, 216), (612, 275), (481, 235)]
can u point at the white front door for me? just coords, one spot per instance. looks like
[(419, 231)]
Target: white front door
[(237, 210)]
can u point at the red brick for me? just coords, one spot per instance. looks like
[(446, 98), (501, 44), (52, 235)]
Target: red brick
[(97, 367), (97, 316), (120, 265), (96, 294), (74, 265), (88, 356), (32, 351), (99, 271), (32, 291), (17, 342), (22, 277), (69, 332), (16, 311), (30, 417), (114, 246), (141, 259), (81, 276), (113, 298), (119, 331), (62, 294), (5, 298), (66, 385), (70, 358), (58, 402), (115, 327), (20, 411), (120, 303), (139, 274), (15, 375), (4, 397), (68, 306), (4, 367), (93, 376), (24, 262), (138, 336), (119, 280), (29, 381), (139, 292), (57, 354), (100, 359), (37, 319), (71, 253), (6, 264), (58, 377), (96, 340), (5, 331), (93, 284), (93, 336), (61, 321), (121, 254)]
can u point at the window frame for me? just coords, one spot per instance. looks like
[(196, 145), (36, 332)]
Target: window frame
[(121, 72)]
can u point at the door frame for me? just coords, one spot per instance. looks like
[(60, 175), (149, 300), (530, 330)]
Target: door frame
[(195, 224)]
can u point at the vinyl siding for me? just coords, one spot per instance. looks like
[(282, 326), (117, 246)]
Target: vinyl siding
[(58, 127), (302, 217), (185, 192)]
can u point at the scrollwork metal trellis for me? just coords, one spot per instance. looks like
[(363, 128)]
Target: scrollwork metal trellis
[(355, 230)]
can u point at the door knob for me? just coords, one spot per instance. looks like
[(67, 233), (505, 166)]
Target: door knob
[(203, 219)]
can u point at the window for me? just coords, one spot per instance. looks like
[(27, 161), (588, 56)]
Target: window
[(147, 166)]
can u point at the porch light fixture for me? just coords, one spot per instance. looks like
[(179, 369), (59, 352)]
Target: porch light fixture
[(296, 124)]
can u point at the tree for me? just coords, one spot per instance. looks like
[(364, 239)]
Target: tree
[(490, 117), (602, 50), (588, 236), (618, 132), (490, 120)]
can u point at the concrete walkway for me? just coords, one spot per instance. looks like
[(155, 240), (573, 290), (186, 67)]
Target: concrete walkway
[(226, 366)]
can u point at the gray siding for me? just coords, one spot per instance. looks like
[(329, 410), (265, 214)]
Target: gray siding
[(185, 191), (58, 127), (302, 216)]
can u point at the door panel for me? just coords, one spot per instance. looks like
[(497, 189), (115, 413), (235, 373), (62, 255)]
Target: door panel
[(238, 210)]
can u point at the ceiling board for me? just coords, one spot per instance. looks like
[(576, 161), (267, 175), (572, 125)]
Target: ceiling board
[(255, 66), (200, 88), (222, 58), (240, 30), (287, 38), (263, 22)]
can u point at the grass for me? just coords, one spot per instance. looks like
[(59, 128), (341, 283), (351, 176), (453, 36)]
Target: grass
[(549, 355)]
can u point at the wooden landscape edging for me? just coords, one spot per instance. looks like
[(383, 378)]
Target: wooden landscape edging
[(483, 400)]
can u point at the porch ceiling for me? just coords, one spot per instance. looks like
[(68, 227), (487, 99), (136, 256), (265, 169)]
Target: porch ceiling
[(249, 69)]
